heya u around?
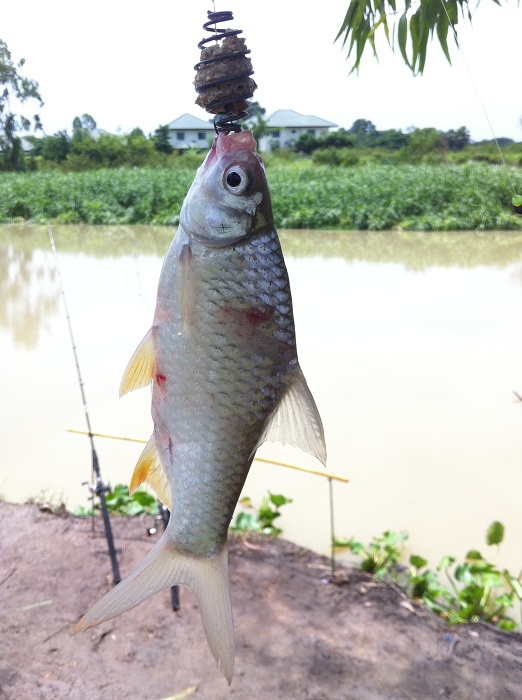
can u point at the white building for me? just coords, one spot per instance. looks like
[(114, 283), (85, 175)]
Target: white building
[(190, 132), (287, 126)]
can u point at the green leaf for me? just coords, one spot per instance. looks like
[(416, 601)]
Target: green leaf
[(515, 585), (414, 34), (442, 33), (144, 498), (246, 522), (462, 572), (447, 560), (417, 562), (279, 500), (402, 36), (356, 547), (507, 624), (473, 555), (134, 508), (495, 533), (344, 542)]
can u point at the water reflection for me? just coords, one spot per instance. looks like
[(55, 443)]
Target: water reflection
[(28, 293), (410, 342), (415, 251)]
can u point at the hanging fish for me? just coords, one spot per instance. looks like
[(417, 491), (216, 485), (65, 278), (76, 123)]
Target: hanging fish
[(221, 355)]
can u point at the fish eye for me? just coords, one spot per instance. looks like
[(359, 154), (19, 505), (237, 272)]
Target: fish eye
[(237, 180)]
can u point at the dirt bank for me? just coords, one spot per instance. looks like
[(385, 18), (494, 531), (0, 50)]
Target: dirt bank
[(299, 633)]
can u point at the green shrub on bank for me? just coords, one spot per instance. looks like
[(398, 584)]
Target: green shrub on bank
[(375, 196), (478, 589)]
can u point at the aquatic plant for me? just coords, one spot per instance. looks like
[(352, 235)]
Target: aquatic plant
[(120, 501), (260, 520), (478, 589)]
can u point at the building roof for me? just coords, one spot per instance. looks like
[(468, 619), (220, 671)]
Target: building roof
[(288, 118), (188, 122)]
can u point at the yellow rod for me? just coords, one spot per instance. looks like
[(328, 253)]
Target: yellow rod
[(325, 475), (105, 435), (303, 469)]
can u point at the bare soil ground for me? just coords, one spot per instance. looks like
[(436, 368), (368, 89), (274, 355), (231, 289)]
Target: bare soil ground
[(300, 632)]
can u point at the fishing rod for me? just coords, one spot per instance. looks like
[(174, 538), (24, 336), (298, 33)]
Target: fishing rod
[(100, 487)]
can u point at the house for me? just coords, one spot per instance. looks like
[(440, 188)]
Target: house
[(190, 132), (287, 126)]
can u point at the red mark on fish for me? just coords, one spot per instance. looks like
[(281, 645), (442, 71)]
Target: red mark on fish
[(245, 321)]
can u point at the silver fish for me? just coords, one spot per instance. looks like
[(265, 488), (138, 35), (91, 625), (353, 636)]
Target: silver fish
[(222, 358)]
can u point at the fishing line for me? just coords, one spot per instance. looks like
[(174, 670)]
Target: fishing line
[(483, 107), (100, 487), (71, 335)]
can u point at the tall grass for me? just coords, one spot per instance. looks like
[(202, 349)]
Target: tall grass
[(304, 195)]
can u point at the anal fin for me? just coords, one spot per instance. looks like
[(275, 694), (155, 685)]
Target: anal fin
[(149, 470)]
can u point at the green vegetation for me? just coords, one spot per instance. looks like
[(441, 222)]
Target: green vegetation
[(15, 90), (411, 27), (477, 590), (359, 179), (371, 196), (95, 197), (251, 520), (263, 519), (120, 501)]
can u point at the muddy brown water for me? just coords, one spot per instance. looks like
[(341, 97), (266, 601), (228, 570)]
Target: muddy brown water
[(411, 344)]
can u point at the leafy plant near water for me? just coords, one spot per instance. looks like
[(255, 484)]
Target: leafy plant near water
[(263, 519), (380, 556), (251, 520), (120, 501), (478, 589), (371, 196)]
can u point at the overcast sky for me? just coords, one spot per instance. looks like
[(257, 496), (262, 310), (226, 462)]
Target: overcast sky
[(130, 64)]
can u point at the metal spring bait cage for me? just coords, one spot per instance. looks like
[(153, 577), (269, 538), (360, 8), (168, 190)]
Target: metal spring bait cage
[(223, 81)]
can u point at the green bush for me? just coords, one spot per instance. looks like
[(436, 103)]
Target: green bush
[(478, 589)]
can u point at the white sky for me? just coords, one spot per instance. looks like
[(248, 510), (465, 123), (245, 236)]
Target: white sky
[(131, 64)]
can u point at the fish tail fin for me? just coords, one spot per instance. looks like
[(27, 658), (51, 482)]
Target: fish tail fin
[(165, 566)]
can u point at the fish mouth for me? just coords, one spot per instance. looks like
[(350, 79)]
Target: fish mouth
[(228, 145), (232, 142)]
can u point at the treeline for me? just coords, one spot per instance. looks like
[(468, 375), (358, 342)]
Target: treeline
[(364, 134), (90, 148), (364, 142)]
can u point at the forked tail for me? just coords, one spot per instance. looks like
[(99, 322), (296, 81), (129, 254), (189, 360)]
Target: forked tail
[(165, 566)]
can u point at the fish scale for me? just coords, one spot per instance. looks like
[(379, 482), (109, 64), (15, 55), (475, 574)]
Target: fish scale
[(214, 342), (222, 358)]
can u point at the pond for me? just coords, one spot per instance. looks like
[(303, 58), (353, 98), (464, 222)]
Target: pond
[(411, 344)]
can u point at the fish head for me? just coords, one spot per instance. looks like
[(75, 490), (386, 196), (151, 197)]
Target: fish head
[(229, 198)]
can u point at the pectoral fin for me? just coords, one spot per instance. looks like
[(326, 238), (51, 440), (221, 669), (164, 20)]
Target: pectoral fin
[(149, 470), (140, 370), (296, 421)]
